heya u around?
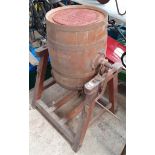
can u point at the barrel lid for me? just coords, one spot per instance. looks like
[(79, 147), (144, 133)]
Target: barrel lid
[(77, 16)]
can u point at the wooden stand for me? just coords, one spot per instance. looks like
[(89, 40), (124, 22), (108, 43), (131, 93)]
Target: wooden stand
[(91, 97)]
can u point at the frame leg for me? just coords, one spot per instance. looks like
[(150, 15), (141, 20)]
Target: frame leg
[(112, 92), (41, 71), (123, 151), (84, 123)]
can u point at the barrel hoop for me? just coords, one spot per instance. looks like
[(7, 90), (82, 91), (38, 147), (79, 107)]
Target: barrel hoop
[(55, 45), (79, 76)]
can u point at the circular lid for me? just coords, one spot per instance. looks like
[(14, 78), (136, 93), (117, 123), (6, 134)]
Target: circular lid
[(77, 16)]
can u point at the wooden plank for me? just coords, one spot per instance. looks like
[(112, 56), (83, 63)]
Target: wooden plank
[(63, 101), (54, 120), (87, 120), (41, 51), (72, 113), (84, 122), (49, 84), (112, 92), (101, 112), (41, 70)]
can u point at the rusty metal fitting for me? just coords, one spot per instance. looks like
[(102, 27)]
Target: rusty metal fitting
[(117, 65), (99, 82), (99, 60), (92, 86), (107, 64)]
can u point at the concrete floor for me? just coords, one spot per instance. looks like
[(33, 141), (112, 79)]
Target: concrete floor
[(106, 136)]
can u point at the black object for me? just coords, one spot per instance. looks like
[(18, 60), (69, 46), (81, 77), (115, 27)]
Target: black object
[(103, 1), (122, 59), (118, 9), (106, 1), (37, 11), (32, 76), (116, 31)]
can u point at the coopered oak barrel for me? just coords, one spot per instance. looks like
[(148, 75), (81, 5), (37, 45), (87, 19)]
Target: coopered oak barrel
[(76, 35)]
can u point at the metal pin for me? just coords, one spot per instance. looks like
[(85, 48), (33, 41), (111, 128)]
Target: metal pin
[(108, 110)]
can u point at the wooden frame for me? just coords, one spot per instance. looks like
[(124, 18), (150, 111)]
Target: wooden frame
[(75, 139)]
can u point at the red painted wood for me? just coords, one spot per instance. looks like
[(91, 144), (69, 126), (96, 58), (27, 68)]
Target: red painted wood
[(77, 17)]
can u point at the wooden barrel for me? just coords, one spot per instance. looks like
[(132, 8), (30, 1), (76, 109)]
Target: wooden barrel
[(76, 35)]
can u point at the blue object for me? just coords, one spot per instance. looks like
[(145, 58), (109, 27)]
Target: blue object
[(32, 68), (33, 51)]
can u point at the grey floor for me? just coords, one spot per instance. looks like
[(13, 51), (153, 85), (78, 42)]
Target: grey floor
[(106, 136)]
